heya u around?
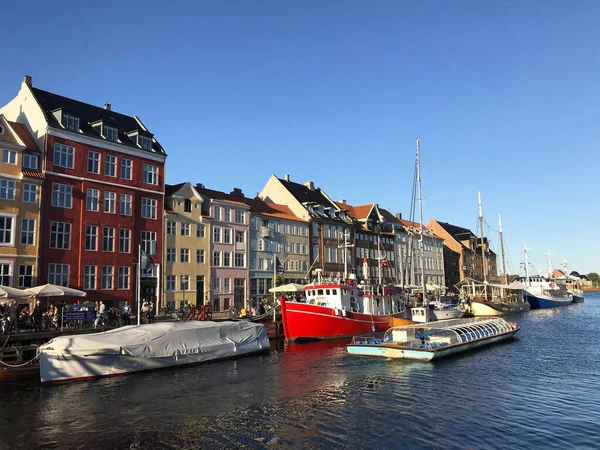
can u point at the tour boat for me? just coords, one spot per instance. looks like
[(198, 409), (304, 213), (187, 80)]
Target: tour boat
[(487, 299), (154, 346), (340, 310), (435, 340)]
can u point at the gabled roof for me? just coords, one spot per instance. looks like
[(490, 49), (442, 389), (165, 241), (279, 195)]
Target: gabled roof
[(24, 135), (304, 194), (218, 195), (170, 189), (272, 210), (363, 211), (87, 114), (458, 233)]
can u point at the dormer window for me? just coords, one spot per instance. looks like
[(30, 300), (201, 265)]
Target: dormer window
[(111, 133), (70, 122), (145, 142)]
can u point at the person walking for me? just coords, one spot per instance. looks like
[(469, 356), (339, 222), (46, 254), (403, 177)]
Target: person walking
[(127, 314), (13, 316), (37, 316)]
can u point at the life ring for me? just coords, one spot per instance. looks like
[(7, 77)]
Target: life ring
[(553, 285)]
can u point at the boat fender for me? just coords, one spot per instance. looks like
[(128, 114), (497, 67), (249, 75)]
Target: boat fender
[(344, 312)]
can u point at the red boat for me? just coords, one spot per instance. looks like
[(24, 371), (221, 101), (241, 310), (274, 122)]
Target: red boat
[(342, 310)]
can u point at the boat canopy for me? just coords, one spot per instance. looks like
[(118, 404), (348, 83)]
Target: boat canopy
[(163, 339)]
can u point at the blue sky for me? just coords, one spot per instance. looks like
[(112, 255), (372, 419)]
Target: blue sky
[(504, 96)]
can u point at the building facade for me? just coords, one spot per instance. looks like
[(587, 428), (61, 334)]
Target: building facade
[(20, 200), (102, 197), (187, 247)]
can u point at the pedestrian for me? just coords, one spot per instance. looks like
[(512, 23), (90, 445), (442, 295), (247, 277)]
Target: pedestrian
[(13, 316), (127, 314), (261, 307), (37, 316)]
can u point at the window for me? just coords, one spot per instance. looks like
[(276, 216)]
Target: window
[(89, 278), (126, 168), (200, 256), (70, 122), (216, 234), (150, 175), (149, 209), (29, 193), (110, 198), (239, 216), (110, 165), (239, 259), (216, 285), (226, 235), (226, 259), (226, 285), (125, 205), (123, 282), (148, 242), (91, 237), (185, 229), (170, 283), (111, 133), (171, 254), (6, 229), (63, 155), (184, 282), (30, 161), (217, 212), (200, 231), (25, 275), (27, 231), (216, 259), (60, 235), (9, 156), (62, 195), (58, 274), (227, 215), (185, 255), (145, 142), (7, 189), (187, 205), (5, 274), (240, 236), (107, 278), (93, 161), (108, 239), (92, 199), (124, 240), (171, 228)]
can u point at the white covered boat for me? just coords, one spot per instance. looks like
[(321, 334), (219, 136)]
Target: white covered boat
[(148, 347)]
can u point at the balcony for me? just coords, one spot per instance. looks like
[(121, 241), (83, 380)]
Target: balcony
[(266, 232)]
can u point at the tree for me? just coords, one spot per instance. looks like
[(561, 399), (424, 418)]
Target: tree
[(595, 279)]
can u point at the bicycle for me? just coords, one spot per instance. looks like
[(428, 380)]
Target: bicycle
[(233, 312)]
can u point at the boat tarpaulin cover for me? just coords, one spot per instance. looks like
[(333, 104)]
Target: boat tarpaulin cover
[(165, 339)]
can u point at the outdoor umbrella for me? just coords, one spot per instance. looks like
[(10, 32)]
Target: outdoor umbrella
[(291, 287), (9, 292), (52, 290)]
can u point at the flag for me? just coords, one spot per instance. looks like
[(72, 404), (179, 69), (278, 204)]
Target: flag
[(279, 270), (384, 262), (146, 261)]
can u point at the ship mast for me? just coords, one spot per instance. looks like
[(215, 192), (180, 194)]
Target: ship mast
[(424, 284), (526, 266), (483, 262), (549, 265), (502, 249)]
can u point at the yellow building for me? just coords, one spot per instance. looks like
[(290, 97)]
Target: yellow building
[(20, 198), (187, 247)]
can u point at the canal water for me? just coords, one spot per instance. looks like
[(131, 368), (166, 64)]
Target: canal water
[(541, 390)]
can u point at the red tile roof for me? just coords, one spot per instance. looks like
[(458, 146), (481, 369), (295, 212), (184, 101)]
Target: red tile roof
[(362, 211), (22, 132), (28, 173)]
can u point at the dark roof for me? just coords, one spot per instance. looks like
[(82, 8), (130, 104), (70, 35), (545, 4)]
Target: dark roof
[(305, 195), (170, 189), (90, 114), (459, 233), (22, 132)]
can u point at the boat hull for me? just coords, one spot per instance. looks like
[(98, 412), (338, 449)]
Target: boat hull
[(425, 355), (304, 321), (542, 301), (577, 296), (491, 309), (445, 314)]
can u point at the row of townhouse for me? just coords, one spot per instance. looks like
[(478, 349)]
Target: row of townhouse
[(82, 192)]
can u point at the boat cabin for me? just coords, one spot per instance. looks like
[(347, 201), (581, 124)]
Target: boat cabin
[(377, 300)]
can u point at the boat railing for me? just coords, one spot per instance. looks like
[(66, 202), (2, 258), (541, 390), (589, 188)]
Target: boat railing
[(375, 338)]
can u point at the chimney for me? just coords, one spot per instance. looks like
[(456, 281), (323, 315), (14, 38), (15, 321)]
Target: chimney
[(237, 192), (343, 201), (287, 177), (199, 186), (310, 185), (399, 216), (107, 106), (27, 80)]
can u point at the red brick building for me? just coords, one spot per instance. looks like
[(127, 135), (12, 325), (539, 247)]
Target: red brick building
[(102, 197)]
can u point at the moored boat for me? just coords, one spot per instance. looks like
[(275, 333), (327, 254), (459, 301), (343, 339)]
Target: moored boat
[(139, 348), (489, 300), (436, 340)]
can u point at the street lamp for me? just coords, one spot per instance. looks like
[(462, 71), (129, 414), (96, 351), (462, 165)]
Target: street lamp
[(184, 280)]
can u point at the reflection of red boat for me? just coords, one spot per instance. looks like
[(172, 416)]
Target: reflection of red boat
[(341, 310)]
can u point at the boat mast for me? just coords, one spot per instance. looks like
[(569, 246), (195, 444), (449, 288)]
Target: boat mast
[(483, 262), (345, 247), (502, 249), (549, 265), (379, 256), (526, 266), (424, 284)]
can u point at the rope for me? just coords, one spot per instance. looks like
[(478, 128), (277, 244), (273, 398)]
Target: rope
[(5, 342), (37, 354)]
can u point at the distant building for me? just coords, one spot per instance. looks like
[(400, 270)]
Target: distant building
[(102, 197), (20, 198)]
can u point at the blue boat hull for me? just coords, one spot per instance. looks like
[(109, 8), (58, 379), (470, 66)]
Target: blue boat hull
[(543, 302)]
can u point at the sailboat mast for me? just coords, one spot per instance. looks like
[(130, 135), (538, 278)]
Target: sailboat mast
[(502, 249), (424, 284), (379, 255), (526, 266), (483, 262)]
